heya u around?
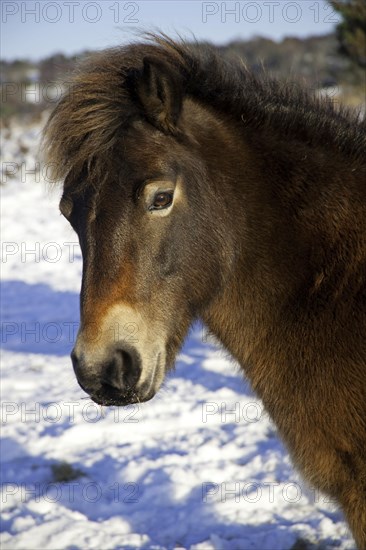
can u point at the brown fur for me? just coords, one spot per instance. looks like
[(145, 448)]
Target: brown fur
[(268, 246)]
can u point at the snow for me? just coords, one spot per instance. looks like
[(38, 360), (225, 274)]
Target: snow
[(199, 467)]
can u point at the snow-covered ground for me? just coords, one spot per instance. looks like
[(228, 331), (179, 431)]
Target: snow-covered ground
[(199, 467)]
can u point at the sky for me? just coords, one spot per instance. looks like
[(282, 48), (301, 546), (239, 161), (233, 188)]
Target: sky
[(38, 29)]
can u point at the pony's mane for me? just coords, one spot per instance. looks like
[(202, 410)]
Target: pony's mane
[(97, 103)]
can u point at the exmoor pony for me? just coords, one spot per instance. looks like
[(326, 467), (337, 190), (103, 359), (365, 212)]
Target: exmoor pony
[(199, 190)]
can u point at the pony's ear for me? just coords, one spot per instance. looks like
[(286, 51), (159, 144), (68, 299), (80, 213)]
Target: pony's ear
[(160, 92)]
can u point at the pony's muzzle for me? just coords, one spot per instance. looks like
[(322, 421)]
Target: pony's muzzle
[(114, 381)]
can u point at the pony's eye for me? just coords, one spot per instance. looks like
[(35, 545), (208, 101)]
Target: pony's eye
[(162, 200)]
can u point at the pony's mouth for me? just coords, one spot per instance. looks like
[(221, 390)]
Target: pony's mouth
[(109, 399), (107, 396), (121, 379)]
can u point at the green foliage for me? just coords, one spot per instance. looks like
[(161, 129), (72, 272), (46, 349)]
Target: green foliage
[(351, 31)]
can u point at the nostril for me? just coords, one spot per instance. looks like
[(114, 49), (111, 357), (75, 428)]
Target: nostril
[(131, 369), (123, 371), (127, 363), (113, 373)]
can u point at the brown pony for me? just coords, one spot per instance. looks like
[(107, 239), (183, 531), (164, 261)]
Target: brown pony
[(199, 190)]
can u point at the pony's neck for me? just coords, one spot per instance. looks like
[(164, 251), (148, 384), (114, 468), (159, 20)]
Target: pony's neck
[(270, 256), (285, 215)]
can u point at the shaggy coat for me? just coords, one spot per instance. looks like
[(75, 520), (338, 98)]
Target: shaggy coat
[(265, 240)]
